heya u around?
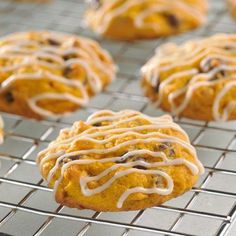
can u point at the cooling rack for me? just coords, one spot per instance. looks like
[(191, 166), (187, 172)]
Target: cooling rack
[(26, 204)]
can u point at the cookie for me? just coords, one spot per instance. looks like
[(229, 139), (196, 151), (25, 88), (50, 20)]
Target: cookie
[(145, 19), (1, 130), (232, 7), (120, 162), (50, 74), (195, 79)]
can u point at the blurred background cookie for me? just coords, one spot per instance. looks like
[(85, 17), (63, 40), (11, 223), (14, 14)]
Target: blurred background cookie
[(232, 7), (120, 162), (132, 19), (195, 79), (45, 74)]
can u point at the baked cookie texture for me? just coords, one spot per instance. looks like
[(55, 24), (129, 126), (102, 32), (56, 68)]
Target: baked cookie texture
[(144, 19), (195, 79), (232, 7), (1, 130), (50, 74), (120, 162)]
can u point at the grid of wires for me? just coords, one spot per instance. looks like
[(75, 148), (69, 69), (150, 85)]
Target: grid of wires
[(27, 206)]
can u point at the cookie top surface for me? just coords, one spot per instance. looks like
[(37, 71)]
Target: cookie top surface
[(120, 161), (45, 74), (197, 76), (145, 18)]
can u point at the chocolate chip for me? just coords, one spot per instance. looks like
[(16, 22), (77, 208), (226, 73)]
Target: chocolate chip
[(162, 147), (172, 152), (222, 73), (46, 59), (69, 56), (67, 70), (73, 158), (165, 147), (64, 161), (97, 124), (130, 159), (68, 159), (157, 86), (229, 47), (140, 167), (172, 19), (9, 97), (53, 42)]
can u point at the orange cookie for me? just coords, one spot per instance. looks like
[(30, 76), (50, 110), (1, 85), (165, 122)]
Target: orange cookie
[(49, 74), (132, 19), (120, 162), (195, 79)]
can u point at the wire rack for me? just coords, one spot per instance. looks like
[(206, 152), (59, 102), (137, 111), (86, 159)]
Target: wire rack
[(26, 203)]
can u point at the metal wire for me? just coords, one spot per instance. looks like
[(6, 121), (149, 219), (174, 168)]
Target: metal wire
[(64, 15)]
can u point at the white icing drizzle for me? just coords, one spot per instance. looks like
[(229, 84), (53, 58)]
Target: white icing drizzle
[(30, 53), (230, 106), (114, 116), (62, 96), (108, 11), (117, 128), (191, 52), (159, 123), (201, 53)]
